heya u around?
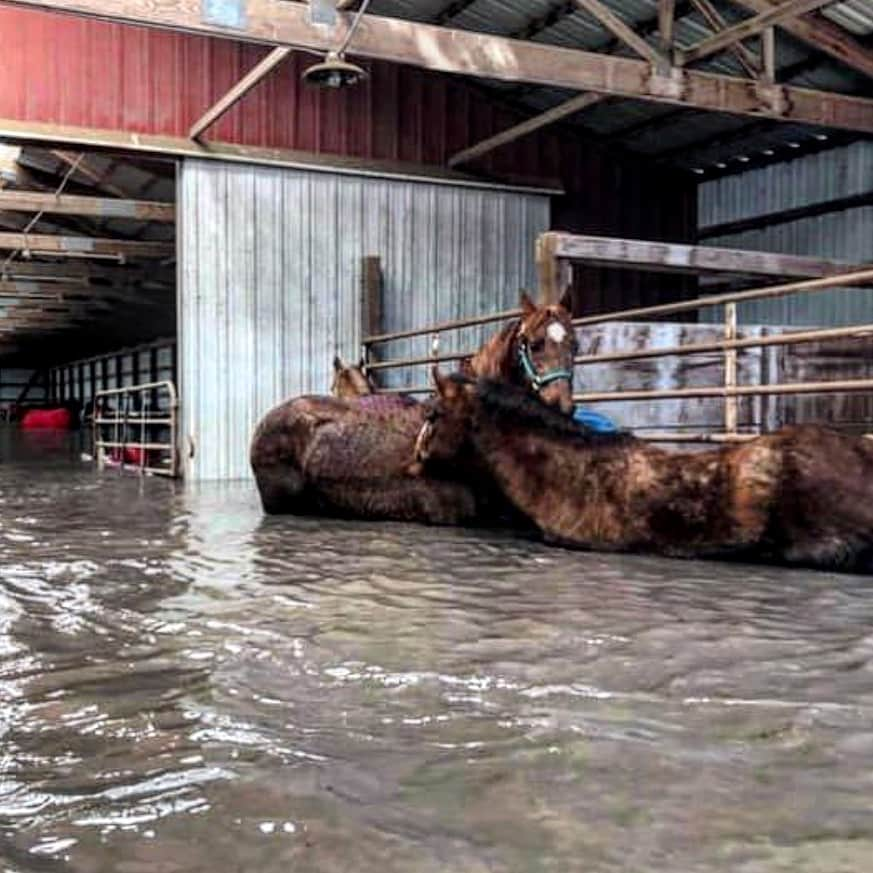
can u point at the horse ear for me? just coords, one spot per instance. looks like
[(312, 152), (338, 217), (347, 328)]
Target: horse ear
[(528, 307), (337, 363), (440, 382)]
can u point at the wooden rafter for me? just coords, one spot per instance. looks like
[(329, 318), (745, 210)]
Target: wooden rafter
[(72, 204), (262, 69), (716, 21), (550, 116), (96, 177), (666, 25), (822, 35), (82, 245), (478, 54), (750, 27), (622, 31)]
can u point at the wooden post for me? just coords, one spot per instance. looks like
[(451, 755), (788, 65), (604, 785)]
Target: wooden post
[(555, 273), (371, 304), (730, 368), (768, 56)]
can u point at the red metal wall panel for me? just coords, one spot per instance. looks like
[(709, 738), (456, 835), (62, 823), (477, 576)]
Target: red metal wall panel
[(66, 70)]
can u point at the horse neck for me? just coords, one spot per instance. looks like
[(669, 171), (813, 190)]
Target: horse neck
[(527, 464), (497, 359)]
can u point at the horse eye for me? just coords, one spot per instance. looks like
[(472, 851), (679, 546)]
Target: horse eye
[(537, 345)]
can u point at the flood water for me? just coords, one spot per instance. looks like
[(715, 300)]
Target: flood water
[(188, 686)]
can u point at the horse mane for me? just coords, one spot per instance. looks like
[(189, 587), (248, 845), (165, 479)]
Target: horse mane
[(509, 405), (494, 358)]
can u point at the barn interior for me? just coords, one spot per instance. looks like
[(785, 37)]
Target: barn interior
[(762, 146)]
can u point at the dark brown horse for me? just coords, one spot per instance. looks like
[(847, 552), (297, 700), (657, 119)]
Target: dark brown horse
[(802, 496), (354, 457)]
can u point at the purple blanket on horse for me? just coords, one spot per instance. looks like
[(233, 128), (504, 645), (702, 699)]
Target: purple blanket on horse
[(385, 402)]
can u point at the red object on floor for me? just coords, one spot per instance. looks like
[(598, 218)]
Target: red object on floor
[(46, 419), (132, 456)]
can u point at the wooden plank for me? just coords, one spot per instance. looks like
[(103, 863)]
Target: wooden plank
[(550, 116), (182, 147), (621, 31), (83, 271), (555, 274), (83, 245), (822, 35), (680, 258), (95, 177), (371, 303), (262, 69), (666, 24), (72, 204), (477, 54), (717, 22), (768, 55), (750, 27)]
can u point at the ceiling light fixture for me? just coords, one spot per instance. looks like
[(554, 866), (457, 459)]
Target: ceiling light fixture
[(335, 71)]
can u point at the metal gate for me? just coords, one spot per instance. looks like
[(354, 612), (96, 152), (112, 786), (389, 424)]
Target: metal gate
[(135, 428)]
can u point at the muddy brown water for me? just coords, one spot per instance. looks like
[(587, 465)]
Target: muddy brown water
[(188, 686)]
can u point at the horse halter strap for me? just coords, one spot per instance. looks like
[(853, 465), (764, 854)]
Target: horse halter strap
[(537, 379)]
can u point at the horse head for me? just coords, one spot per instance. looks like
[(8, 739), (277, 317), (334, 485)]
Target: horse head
[(537, 352), (350, 381), (448, 420)]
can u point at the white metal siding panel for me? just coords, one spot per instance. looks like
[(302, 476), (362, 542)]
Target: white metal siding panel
[(269, 283), (846, 235)]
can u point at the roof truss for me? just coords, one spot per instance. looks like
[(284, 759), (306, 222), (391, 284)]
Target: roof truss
[(476, 54)]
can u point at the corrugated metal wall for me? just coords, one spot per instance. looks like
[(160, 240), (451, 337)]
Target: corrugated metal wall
[(270, 282), (845, 235)]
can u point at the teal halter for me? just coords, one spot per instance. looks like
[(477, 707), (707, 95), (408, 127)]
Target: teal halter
[(536, 379)]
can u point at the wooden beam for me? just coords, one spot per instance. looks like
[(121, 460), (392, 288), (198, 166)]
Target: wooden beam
[(82, 271), (94, 176), (71, 204), (823, 35), (371, 305), (255, 75), (666, 23), (550, 116), (624, 32), (555, 275), (83, 245), (635, 254), (53, 290), (478, 54), (750, 27), (717, 22), (784, 216), (768, 55)]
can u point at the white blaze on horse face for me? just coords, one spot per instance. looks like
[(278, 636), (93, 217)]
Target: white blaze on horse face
[(556, 332)]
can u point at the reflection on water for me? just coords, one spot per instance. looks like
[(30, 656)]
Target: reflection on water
[(186, 686)]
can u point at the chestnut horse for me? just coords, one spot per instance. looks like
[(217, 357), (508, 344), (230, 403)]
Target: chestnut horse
[(353, 458), (802, 496), (350, 381)]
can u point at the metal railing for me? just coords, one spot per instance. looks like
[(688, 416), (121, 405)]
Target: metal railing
[(729, 346), (135, 423)]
